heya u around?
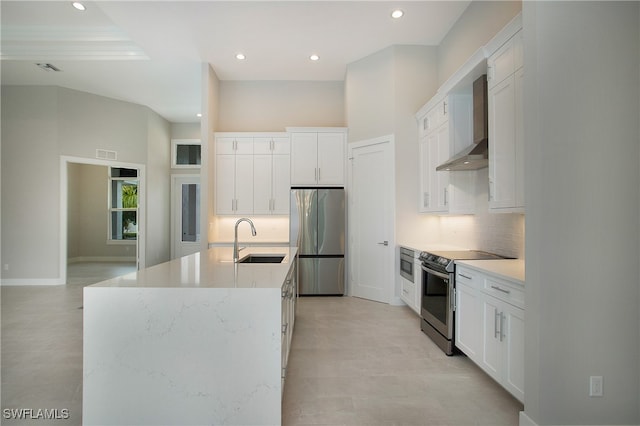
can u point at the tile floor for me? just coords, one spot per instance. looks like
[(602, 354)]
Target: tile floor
[(352, 362), (357, 362)]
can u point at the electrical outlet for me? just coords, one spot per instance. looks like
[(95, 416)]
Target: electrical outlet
[(595, 386)]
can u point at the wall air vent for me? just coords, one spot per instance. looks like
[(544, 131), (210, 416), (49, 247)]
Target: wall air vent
[(104, 154), (48, 67)]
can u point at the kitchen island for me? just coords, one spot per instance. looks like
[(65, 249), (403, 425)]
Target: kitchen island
[(197, 340)]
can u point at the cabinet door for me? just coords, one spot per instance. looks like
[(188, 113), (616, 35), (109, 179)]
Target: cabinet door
[(425, 176), (225, 145), (491, 344), (441, 154), (281, 185), (519, 134), (501, 64), (225, 184), (262, 145), (233, 145), (513, 357), (408, 293), (262, 177), (331, 158), (304, 158), (244, 184), (468, 321), (281, 146), (502, 168)]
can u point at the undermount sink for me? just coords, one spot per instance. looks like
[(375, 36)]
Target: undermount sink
[(262, 258)]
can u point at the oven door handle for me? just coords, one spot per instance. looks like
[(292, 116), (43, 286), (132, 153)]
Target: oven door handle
[(436, 273)]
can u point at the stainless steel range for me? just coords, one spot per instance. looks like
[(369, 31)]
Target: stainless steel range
[(438, 293)]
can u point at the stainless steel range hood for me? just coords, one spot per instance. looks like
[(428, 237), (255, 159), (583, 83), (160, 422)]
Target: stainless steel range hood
[(475, 156)]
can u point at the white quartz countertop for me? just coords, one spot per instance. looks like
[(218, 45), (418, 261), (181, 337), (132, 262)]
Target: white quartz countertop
[(509, 269), (213, 268)]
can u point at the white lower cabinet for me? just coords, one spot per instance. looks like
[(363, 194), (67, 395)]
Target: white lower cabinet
[(490, 326), (468, 329), (289, 300), (409, 294)]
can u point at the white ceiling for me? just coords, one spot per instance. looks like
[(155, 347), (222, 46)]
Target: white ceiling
[(150, 52)]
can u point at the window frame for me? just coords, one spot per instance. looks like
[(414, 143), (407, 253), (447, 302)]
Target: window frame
[(111, 209), (174, 153)]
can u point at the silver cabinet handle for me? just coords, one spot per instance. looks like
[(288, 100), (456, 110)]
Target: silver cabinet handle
[(464, 276), (425, 199), (284, 328), (315, 174), (446, 196), (501, 326), (384, 243), (319, 178), (495, 323), (500, 289)]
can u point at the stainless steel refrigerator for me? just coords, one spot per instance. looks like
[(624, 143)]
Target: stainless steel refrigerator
[(317, 228)]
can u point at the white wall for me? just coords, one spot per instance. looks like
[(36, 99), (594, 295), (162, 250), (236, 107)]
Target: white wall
[(247, 106), (582, 158), (39, 124)]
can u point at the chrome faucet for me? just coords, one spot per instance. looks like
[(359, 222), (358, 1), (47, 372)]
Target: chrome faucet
[(235, 239)]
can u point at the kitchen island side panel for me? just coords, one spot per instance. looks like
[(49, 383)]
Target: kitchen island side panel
[(177, 356)]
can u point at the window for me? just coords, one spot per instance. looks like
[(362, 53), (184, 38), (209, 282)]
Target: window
[(123, 204), (185, 153)]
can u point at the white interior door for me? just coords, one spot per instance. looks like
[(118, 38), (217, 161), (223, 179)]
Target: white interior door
[(185, 217), (371, 218)]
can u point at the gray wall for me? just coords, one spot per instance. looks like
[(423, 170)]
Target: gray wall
[(582, 159), (30, 183), (87, 216), (475, 27), (39, 124)]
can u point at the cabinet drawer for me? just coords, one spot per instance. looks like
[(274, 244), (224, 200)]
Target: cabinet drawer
[(505, 291), (468, 277), (408, 290)]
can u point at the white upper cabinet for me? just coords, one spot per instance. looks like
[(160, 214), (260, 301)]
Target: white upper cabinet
[(318, 157), (252, 174), (271, 171), (234, 145), (447, 129), (506, 148)]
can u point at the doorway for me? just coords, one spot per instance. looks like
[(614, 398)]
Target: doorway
[(185, 215), (372, 218), (119, 222)]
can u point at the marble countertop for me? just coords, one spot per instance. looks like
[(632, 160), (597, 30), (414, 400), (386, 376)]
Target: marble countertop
[(509, 269), (213, 268)]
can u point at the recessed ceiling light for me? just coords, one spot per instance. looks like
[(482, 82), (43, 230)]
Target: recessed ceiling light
[(314, 57), (240, 57), (397, 14), (78, 5)]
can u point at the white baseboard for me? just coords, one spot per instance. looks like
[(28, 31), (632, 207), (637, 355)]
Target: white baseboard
[(396, 301), (81, 259), (526, 420), (31, 281)]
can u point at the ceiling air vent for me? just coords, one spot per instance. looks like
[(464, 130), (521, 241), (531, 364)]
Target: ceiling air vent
[(104, 154), (48, 67)]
